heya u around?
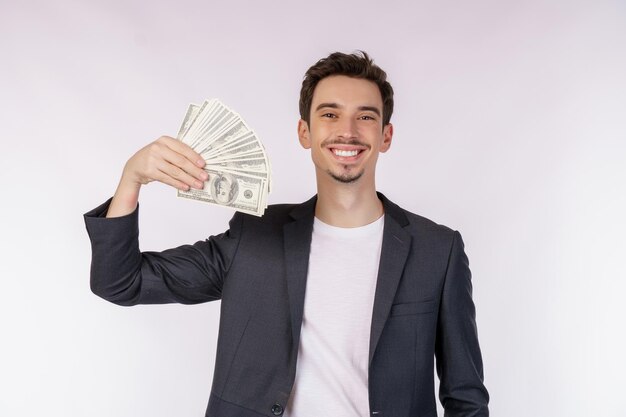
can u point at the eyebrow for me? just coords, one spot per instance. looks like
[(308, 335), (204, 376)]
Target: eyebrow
[(337, 106), (370, 108)]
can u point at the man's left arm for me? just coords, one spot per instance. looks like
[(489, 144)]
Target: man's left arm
[(459, 362)]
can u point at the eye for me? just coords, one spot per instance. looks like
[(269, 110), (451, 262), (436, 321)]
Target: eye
[(329, 115), (367, 117)]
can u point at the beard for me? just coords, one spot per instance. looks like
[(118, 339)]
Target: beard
[(346, 177)]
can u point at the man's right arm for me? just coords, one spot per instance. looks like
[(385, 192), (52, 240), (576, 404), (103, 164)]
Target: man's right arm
[(120, 272), (188, 274)]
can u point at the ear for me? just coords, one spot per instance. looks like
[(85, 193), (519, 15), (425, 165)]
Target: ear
[(303, 134), (387, 137)]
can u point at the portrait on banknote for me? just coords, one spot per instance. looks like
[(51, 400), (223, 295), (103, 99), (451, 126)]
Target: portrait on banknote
[(224, 189)]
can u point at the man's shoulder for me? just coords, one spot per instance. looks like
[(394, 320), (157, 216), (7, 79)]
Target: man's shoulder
[(285, 212), (421, 222), (275, 214), (279, 212), (412, 220), (428, 233)]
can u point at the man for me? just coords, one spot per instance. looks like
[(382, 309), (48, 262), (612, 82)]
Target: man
[(333, 307)]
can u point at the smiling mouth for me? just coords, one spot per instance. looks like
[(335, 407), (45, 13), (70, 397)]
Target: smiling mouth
[(346, 156), (345, 152), (340, 152)]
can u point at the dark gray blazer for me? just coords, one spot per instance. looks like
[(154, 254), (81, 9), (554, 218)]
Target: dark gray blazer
[(258, 268)]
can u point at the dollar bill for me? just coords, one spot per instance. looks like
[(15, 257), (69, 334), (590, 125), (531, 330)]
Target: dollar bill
[(241, 145), (252, 165), (225, 135), (190, 115), (238, 167), (227, 189)]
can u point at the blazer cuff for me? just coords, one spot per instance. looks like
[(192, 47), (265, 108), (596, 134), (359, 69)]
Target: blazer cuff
[(99, 225)]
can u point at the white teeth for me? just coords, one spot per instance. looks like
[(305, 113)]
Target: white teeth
[(339, 152)]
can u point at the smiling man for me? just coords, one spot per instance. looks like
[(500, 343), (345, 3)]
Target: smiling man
[(337, 306)]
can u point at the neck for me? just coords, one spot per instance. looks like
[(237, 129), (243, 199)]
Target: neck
[(347, 205)]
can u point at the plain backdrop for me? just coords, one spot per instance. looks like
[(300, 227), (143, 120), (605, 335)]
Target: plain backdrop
[(510, 126)]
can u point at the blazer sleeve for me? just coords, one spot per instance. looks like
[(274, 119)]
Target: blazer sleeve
[(459, 363), (124, 275)]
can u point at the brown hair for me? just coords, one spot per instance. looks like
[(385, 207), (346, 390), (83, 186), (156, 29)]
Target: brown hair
[(356, 65)]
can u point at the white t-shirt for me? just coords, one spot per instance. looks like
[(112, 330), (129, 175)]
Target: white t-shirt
[(332, 367)]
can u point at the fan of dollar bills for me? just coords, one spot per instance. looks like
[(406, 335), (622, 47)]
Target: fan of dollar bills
[(236, 161)]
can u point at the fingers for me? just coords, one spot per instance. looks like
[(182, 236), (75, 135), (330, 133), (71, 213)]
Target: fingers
[(166, 176), (172, 174), (188, 168), (185, 164), (171, 162), (183, 149)]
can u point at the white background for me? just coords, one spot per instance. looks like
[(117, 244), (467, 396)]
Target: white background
[(510, 126)]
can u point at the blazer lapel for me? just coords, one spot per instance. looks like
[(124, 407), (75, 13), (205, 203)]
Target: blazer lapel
[(395, 249), (297, 239)]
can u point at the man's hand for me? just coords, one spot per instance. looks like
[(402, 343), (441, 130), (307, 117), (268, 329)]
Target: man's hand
[(165, 160)]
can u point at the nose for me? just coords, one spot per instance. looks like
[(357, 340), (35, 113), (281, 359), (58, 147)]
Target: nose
[(347, 128)]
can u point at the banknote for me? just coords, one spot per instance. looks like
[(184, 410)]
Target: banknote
[(249, 165), (190, 115), (241, 145), (205, 127), (220, 138), (236, 161), (195, 120), (239, 192)]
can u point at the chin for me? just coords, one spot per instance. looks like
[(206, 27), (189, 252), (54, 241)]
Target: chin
[(346, 178)]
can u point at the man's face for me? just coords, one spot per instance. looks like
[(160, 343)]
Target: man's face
[(345, 133)]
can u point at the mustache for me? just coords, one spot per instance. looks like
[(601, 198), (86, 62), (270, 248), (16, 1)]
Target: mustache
[(353, 142)]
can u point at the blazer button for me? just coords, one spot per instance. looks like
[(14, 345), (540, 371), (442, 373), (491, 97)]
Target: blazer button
[(277, 409)]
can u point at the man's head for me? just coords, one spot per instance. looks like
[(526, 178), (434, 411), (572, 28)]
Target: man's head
[(357, 65), (345, 107)]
